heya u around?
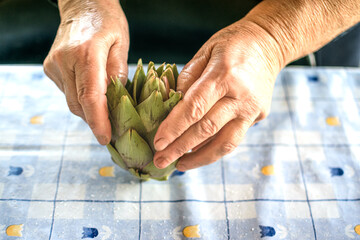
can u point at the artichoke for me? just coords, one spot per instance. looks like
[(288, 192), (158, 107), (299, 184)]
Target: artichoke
[(135, 112)]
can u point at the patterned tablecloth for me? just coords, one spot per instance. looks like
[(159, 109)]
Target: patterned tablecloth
[(295, 176)]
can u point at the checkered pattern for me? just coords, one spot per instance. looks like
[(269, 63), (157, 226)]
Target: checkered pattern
[(50, 182)]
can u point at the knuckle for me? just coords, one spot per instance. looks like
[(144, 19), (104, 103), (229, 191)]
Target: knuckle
[(263, 114), (87, 59), (196, 108), (229, 67), (57, 58), (46, 63), (184, 79), (227, 148), (180, 150), (50, 63), (186, 72), (252, 99), (57, 55), (46, 67), (252, 107), (118, 73), (87, 52), (123, 76), (207, 127), (87, 97), (232, 106)]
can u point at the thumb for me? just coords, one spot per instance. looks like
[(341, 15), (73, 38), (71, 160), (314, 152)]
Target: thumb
[(117, 62)]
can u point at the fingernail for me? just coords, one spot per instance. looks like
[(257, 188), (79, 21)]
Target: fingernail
[(161, 163), (161, 144)]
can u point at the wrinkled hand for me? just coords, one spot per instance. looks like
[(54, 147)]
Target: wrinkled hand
[(228, 87), (91, 44)]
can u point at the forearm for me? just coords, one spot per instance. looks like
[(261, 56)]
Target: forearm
[(303, 26)]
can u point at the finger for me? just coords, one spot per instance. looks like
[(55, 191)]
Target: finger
[(225, 142), (53, 72), (198, 100), (71, 94), (117, 62), (202, 144), (91, 88), (193, 70), (223, 112)]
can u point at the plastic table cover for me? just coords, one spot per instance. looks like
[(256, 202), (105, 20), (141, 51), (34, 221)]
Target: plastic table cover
[(295, 176)]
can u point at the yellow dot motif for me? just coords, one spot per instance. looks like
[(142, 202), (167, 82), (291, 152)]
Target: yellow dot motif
[(37, 120), (107, 171), (192, 231), (333, 121), (268, 170), (357, 229), (14, 230)]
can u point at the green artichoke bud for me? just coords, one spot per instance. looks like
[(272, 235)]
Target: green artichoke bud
[(135, 112)]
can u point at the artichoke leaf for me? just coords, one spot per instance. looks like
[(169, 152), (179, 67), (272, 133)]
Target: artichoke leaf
[(138, 174), (150, 138), (115, 156), (167, 86), (134, 172), (138, 81), (130, 88), (114, 129), (125, 116), (175, 97), (176, 74), (168, 74), (114, 93), (168, 66), (159, 174), (151, 85), (152, 111), (171, 93), (160, 69), (128, 83), (151, 74), (124, 92), (163, 89), (134, 150), (151, 66)]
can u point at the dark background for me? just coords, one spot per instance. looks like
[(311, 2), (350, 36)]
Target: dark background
[(170, 31)]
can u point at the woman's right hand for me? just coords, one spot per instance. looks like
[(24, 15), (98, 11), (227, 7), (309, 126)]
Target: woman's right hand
[(91, 45)]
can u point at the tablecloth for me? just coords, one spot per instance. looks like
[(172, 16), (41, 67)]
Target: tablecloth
[(295, 176)]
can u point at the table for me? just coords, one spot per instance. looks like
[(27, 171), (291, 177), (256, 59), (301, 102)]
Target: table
[(295, 176)]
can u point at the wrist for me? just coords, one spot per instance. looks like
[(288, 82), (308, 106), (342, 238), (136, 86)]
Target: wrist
[(275, 28), (261, 46), (70, 9)]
